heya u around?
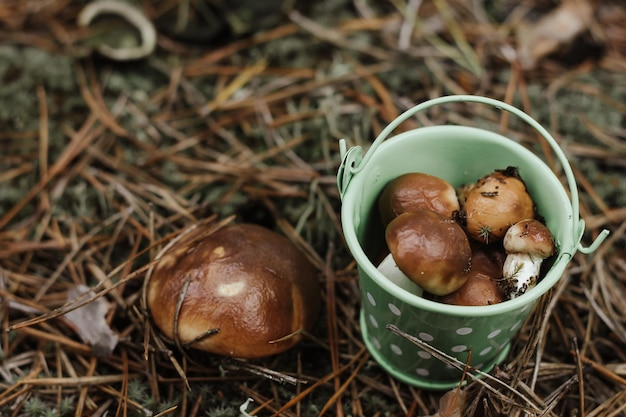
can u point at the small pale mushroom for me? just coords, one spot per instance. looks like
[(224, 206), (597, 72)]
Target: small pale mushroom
[(527, 244), (417, 190), (494, 203), (242, 291), (430, 249)]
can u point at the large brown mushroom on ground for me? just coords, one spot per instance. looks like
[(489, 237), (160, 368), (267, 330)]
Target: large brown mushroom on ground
[(494, 203), (241, 291), (433, 251)]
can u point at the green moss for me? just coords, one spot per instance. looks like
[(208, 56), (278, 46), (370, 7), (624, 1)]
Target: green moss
[(139, 391), (36, 407), (21, 71), (66, 406)]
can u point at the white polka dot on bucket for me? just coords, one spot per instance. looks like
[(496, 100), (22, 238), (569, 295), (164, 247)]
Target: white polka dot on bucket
[(426, 337), (396, 349), (485, 351), (464, 331), (516, 326), (373, 321), (422, 371), (376, 343), (494, 333), (371, 299), (458, 348), (424, 355), (395, 310)]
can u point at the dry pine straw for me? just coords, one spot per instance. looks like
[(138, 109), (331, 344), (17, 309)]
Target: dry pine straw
[(568, 357)]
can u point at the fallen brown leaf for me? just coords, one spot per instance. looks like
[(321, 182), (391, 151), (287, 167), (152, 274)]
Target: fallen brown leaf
[(90, 323)]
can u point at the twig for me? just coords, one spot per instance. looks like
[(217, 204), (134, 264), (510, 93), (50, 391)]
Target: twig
[(461, 366)]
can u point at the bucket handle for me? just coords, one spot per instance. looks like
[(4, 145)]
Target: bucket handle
[(353, 161)]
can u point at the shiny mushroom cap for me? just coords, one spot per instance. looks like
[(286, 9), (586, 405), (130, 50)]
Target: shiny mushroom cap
[(482, 287), (479, 290), (417, 190), (431, 250), (240, 291), (497, 201), (529, 236)]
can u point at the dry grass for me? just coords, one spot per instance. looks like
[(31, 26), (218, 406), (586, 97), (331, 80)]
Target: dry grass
[(101, 164)]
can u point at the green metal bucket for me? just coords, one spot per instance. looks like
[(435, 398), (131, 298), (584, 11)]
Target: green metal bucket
[(460, 155)]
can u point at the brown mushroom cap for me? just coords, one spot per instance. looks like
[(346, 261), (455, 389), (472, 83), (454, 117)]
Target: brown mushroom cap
[(479, 290), (527, 243), (251, 289), (482, 287), (488, 258), (497, 201), (529, 236), (417, 190), (431, 250)]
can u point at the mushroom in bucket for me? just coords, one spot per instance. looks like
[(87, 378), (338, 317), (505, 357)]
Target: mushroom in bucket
[(430, 249), (453, 248)]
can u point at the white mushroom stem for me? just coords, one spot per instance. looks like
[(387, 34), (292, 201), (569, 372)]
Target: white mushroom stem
[(390, 270), (521, 270), (527, 243)]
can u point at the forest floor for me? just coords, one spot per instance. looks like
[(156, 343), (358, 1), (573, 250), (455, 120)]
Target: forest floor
[(238, 114)]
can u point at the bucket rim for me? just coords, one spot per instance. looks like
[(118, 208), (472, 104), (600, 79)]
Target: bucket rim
[(353, 161), (566, 251), (518, 303)]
